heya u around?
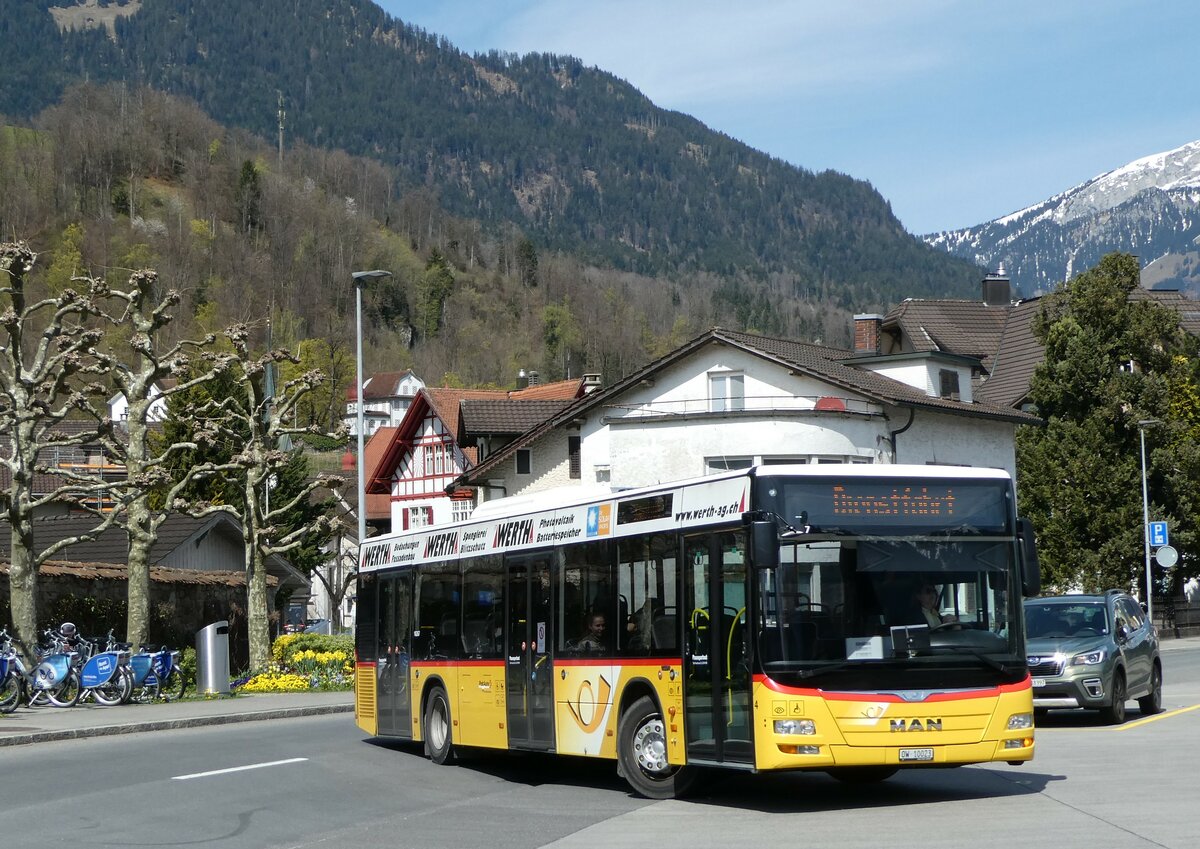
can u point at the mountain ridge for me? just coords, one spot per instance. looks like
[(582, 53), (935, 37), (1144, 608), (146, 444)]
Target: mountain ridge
[(1149, 207)]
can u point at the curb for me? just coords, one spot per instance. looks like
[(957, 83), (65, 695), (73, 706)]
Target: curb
[(168, 724)]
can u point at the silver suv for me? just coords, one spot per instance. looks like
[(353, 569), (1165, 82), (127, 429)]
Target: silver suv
[(1093, 651)]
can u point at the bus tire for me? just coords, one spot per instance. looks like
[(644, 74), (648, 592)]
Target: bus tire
[(642, 754), (439, 736)]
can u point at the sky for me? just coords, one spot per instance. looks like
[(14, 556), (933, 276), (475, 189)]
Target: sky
[(956, 111)]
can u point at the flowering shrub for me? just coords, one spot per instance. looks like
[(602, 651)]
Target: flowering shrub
[(304, 662)]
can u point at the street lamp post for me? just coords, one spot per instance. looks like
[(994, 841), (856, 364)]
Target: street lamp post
[(360, 278), (1142, 425)]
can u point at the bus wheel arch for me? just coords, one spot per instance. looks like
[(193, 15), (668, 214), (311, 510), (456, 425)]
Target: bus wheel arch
[(437, 723), (642, 751)]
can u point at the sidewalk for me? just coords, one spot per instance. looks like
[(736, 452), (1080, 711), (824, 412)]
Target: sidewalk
[(42, 724)]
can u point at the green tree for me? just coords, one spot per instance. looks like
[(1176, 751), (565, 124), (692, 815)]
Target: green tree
[(436, 284), (1107, 366)]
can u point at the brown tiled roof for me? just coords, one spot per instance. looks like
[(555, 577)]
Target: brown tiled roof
[(562, 390), (446, 402), (161, 574), (382, 384), (379, 505), (1019, 353), (967, 328), (504, 416), (828, 364)]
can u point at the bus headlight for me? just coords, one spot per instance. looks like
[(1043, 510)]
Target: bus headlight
[(1019, 721), (795, 726)]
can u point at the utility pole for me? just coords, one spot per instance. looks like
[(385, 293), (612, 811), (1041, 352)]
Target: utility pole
[(282, 115)]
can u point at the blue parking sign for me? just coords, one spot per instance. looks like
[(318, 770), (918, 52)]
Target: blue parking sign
[(1158, 533)]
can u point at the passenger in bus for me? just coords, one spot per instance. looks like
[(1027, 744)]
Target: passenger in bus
[(594, 637)]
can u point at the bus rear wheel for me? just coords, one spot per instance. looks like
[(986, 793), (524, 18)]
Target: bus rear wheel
[(439, 738), (642, 754)]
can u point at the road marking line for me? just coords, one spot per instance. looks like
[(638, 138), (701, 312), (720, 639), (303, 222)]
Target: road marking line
[(1155, 718), (243, 768)]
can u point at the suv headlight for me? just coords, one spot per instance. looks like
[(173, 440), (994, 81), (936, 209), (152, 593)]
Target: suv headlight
[(1089, 658)]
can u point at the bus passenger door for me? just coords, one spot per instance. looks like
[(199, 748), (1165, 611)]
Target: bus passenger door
[(395, 616), (528, 664), (716, 666)]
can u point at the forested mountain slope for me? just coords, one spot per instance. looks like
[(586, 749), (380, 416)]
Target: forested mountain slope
[(577, 159)]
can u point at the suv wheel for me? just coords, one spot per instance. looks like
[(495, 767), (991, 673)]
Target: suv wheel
[(1114, 714), (1151, 703)]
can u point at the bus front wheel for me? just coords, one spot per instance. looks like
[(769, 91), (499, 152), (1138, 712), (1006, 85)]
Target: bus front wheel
[(642, 753), (439, 739)]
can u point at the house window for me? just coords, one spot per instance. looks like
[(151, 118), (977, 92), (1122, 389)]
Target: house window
[(726, 391), (460, 510), (420, 517), (524, 461), (948, 379), (573, 458), (724, 464)]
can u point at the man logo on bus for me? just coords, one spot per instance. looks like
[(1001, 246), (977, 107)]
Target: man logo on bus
[(916, 725)]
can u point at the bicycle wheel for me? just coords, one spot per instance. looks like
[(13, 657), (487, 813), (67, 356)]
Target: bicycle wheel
[(10, 692), (112, 691), (172, 688), (66, 692)]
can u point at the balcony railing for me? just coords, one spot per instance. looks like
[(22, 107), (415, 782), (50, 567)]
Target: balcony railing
[(815, 404)]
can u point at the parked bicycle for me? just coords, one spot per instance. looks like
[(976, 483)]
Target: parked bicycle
[(55, 679), (156, 674), (13, 675), (106, 676)]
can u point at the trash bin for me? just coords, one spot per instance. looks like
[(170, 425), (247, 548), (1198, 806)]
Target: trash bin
[(212, 658)]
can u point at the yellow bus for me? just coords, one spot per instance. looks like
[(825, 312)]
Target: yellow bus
[(856, 619)]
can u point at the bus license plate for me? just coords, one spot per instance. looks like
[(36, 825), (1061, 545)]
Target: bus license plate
[(916, 754), (1039, 682)]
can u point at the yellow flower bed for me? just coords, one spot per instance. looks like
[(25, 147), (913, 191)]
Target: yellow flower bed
[(276, 682)]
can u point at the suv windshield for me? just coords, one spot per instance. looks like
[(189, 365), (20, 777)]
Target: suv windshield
[(1051, 620)]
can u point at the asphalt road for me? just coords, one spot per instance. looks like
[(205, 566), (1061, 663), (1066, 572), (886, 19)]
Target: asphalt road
[(316, 782)]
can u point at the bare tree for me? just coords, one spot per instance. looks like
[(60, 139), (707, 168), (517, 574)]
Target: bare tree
[(47, 355), (259, 420), (149, 487)]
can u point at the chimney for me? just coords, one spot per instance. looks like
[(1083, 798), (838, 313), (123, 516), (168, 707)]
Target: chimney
[(522, 380), (533, 378), (866, 333), (996, 291), (592, 382)]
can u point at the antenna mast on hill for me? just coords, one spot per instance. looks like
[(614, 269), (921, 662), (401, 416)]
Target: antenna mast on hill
[(282, 115)]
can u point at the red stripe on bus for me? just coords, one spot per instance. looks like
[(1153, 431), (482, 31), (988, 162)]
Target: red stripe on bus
[(834, 695), (618, 661)]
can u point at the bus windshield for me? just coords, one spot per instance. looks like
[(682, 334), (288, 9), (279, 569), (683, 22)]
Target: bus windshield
[(849, 610)]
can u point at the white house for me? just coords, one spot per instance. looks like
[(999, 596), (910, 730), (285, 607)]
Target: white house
[(387, 395), (118, 405), (728, 400)]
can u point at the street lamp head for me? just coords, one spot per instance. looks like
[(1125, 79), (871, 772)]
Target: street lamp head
[(360, 276), (1148, 422)]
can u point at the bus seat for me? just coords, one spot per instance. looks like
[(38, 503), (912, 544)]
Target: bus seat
[(663, 632), (475, 636)]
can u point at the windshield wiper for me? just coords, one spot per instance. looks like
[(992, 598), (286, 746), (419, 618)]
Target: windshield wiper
[(955, 649)]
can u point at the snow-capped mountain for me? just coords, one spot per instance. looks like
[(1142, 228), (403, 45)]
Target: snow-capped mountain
[(1150, 207)]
